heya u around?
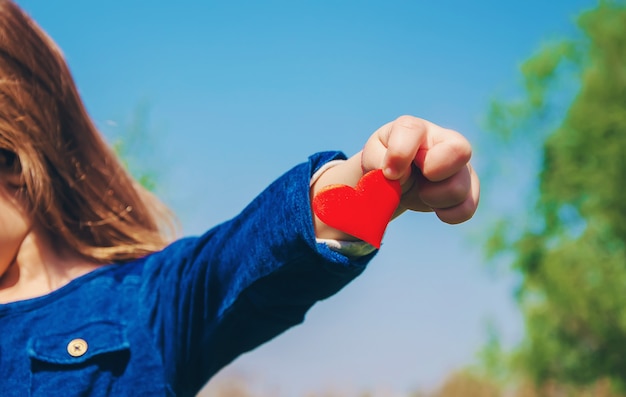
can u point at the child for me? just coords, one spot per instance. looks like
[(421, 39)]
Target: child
[(95, 300)]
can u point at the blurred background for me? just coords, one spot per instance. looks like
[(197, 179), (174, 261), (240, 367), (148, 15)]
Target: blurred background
[(209, 101)]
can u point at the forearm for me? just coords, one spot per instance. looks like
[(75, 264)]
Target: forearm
[(244, 281)]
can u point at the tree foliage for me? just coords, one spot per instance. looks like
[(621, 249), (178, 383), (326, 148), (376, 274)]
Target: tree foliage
[(571, 253)]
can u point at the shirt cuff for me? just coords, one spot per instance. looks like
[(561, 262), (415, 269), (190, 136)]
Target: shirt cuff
[(323, 169), (351, 249)]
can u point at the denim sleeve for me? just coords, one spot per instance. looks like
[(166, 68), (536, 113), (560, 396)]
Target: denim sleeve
[(211, 298)]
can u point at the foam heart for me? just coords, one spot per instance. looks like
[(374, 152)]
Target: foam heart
[(363, 211)]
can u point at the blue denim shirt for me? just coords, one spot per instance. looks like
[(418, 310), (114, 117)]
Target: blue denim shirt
[(164, 324)]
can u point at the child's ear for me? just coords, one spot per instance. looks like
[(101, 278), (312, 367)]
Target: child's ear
[(10, 169)]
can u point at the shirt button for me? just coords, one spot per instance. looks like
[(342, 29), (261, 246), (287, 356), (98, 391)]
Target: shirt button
[(77, 347)]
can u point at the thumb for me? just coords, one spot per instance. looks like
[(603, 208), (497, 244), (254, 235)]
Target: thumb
[(402, 139)]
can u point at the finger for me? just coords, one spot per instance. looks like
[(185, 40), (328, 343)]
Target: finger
[(448, 192), (466, 209), (402, 138), (444, 155), (411, 199)]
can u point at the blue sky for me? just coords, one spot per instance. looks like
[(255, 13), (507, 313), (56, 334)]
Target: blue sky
[(241, 91)]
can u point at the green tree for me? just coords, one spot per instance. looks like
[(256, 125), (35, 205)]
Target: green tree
[(570, 250)]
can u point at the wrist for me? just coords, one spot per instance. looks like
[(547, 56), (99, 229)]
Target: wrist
[(346, 172)]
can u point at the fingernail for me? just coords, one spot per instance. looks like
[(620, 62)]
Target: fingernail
[(390, 173)]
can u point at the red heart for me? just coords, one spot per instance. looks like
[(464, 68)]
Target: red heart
[(363, 211)]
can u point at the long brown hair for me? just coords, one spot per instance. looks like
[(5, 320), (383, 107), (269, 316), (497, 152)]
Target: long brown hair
[(74, 183)]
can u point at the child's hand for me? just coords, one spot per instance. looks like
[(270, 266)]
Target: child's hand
[(431, 163)]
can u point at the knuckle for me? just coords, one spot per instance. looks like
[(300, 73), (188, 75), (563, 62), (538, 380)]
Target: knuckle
[(410, 122), (466, 210), (458, 191), (461, 149), (458, 214)]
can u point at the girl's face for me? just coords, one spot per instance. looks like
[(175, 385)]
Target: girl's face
[(15, 222)]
